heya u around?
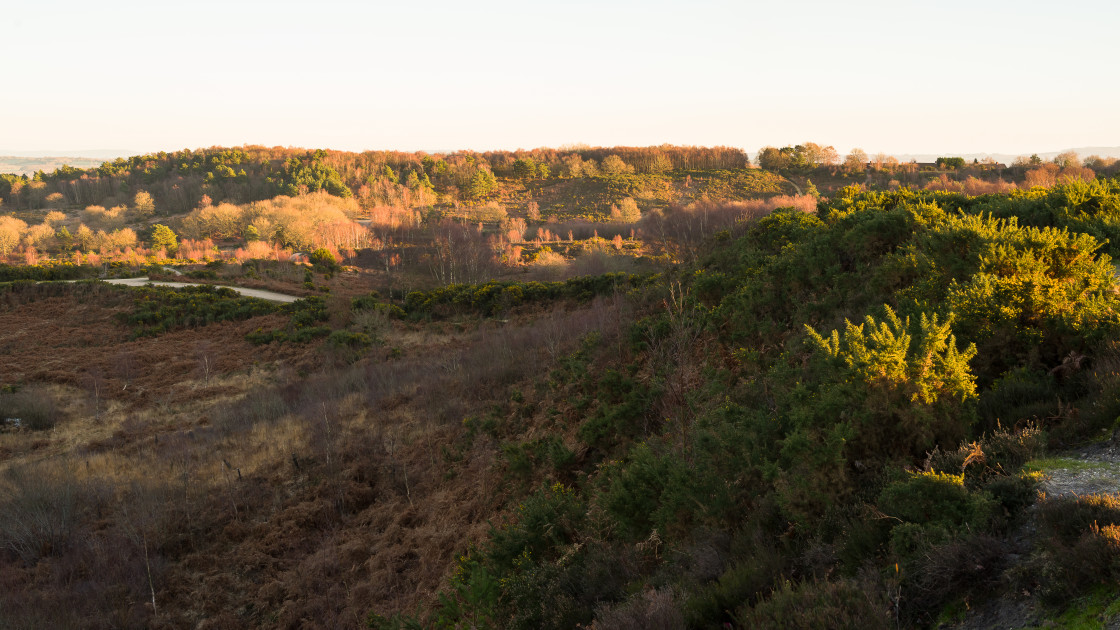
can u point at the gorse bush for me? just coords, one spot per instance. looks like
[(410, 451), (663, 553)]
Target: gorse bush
[(51, 271), (845, 383), (929, 497), (1022, 290), (905, 385), (160, 309), (1000, 453), (494, 297), (305, 315), (374, 303)]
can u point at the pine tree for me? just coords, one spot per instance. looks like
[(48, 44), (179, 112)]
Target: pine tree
[(164, 238)]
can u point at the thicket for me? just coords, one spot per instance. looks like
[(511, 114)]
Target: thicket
[(160, 309), (497, 297), (64, 271), (821, 424), (156, 310), (304, 324)]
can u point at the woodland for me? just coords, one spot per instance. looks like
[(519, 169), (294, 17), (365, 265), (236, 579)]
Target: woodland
[(599, 387)]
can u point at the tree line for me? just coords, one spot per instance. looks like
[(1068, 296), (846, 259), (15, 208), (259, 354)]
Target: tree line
[(179, 180)]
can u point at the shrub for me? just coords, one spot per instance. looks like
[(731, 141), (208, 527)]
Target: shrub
[(546, 579), (934, 508), (1083, 544), (1019, 394), (522, 460), (159, 309), (372, 322), (495, 297), (372, 302), (544, 523), (1007, 450), (1067, 518), (783, 227), (743, 584), (939, 499), (812, 605), (623, 414), (48, 271), (347, 346), (999, 454), (971, 567), (301, 328), (1014, 492), (38, 510), (34, 408), (347, 339), (324, 260), (653, 609)]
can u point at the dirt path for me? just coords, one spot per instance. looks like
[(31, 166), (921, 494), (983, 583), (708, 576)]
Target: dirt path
[(271, 296), (1090, 470)]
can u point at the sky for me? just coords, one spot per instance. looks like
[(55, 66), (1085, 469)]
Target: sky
[(896, 76)]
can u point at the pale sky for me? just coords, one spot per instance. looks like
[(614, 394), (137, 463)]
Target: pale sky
[(948, 76)]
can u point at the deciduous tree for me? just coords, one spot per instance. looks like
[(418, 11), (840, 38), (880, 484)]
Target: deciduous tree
[(144, 205), (772, 159), (856, 162), (613, 165), (11, 231), (628, 210), (1067, 159)]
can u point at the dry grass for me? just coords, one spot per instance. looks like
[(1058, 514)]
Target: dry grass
[(273, 492)]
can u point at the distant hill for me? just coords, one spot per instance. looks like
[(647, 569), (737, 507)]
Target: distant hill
[(100, 154), (27, 165)]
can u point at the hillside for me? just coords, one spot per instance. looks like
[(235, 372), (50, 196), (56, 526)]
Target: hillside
[(738, 407), (24, 165), (583, 181)]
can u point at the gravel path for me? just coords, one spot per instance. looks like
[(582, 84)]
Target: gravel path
[(271, 296), (1090, 470)]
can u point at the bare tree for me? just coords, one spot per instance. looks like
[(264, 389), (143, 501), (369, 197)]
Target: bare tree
[(461, 253), (856, 162), (1067, 159), (94, 383), (205, 358)]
